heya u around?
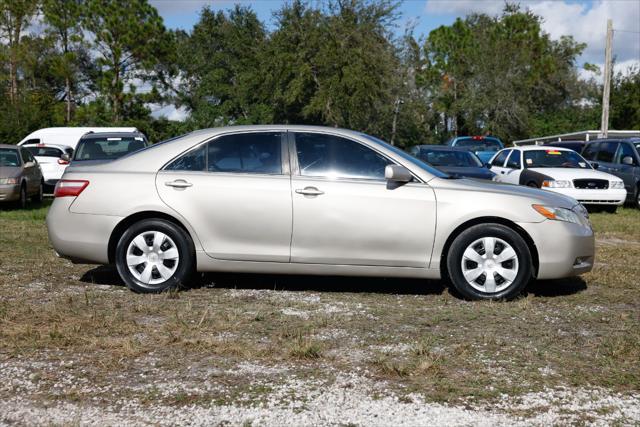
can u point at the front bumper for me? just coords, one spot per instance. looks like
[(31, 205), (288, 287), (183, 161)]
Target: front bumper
[(82, 238), (594, 197), (564, 249), (9, 192)]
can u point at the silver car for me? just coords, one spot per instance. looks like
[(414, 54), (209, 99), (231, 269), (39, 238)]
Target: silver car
[(310, 200)]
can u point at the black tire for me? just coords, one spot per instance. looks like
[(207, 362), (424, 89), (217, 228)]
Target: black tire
[(466, 238), (183, 243), (39, 197), (637, 198), (22, 201), (610, 209), (532, 184)]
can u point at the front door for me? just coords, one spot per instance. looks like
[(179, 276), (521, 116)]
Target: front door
[(498, 165), (512, 168), (345, 212), (235, 192)]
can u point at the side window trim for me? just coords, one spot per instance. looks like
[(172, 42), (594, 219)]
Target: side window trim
[(284, 156), (295, 166)]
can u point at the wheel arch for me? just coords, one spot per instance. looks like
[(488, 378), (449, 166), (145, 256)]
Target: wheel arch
[(122, 226), (488, 220)]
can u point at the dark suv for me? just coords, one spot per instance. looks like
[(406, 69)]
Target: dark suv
[(619, 157)]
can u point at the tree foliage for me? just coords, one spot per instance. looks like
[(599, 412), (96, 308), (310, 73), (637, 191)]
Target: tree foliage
[(330, 62)]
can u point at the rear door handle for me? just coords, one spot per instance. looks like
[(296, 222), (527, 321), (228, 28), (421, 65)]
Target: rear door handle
[(309, 191), (178, 183)]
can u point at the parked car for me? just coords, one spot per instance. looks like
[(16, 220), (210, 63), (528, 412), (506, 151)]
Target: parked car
[(457, 162), (576, 146), (560, 170), (53, 160), (619, 157), (103, 147), (67, 136), (20, 176), (310, 200), (483, 146)]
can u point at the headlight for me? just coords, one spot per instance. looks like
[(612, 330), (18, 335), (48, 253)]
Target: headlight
[(616, 184), (8, 181), (562, 214), (551, 183)]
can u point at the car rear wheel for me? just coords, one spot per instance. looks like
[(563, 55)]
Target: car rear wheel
[(489, 261), (22, 201), (154, 256), (532, 184), (638, 197), (610, 208), (40, 195)]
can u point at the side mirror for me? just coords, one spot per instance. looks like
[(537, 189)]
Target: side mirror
[(595, 165), (397, 173), (488, 165), (65, 157), (627, 160)]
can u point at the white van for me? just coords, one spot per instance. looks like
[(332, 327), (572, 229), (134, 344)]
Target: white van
[(68, 136)]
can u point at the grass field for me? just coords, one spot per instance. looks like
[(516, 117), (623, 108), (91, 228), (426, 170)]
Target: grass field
[(76, 347)]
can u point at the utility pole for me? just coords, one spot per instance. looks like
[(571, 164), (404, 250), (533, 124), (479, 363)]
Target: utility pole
[(604, 125), (396, 110)]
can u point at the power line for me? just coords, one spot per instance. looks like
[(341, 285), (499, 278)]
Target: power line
[(626, 31)]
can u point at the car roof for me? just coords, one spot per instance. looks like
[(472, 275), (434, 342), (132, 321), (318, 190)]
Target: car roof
[(101, 135), (60, 146), (443, 148), (8, 146), (567, 141), (537, 148)]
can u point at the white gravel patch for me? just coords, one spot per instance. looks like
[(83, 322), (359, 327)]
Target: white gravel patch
[(348, 400)]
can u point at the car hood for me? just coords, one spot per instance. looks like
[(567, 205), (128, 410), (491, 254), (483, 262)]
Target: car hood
[(471, 172), (535, 195), (10, 171), (485, 156), (568, 174)]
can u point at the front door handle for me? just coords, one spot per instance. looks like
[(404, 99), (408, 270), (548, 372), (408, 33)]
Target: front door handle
[(178, 183), (309, 191)]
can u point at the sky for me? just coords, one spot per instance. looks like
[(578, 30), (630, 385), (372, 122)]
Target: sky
[(585, 20)]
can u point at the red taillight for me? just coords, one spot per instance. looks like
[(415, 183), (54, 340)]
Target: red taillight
[(63, 162), (69, 187), (477, 138)]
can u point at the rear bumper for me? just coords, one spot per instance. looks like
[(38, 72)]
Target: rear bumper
[(564, 249), (9, 193), (82, 238), (594, 197)]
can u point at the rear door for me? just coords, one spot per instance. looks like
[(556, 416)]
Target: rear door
[(625, 171), (345, 212), (31, 171), (513, 168), (235, 192), (498, 165)]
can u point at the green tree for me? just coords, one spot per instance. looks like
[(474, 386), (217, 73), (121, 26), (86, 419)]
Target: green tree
[(222, 75), (63, 19), (625, 100), (15, 15), (131, 42)]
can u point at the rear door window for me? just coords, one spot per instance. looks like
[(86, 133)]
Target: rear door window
[(514, 160), (607, 151), (500, 158), (246, 153)]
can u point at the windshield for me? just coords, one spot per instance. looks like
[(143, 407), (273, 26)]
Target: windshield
[(9, 157), (554, 159), (463, 159), (45, 151), (479, 144), (107, 148), (433, 171)]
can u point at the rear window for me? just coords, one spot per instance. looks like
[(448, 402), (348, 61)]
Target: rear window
[(9, 157), (449, 158), (107, 148), (483, 144), (45, 151)]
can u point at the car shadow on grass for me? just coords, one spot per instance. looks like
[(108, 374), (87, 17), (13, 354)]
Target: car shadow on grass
[(108, 275), (556, 288)]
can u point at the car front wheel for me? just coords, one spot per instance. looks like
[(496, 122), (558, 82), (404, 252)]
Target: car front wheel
[(489, 261), (154, 256)]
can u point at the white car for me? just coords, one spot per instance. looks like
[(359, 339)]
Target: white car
[(560, 170), (53, 160)]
